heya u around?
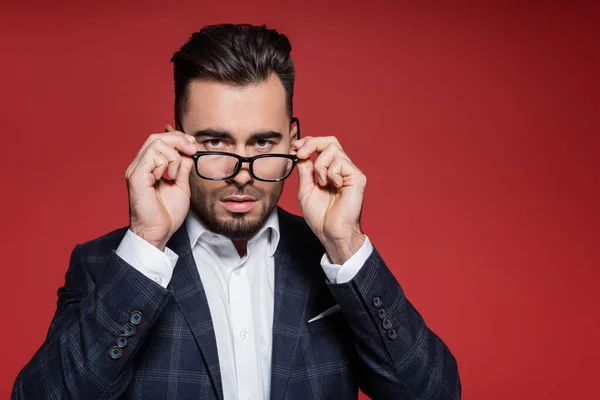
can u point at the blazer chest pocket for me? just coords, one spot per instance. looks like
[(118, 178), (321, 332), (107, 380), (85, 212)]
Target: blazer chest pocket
[(327, 323), (329, 346)]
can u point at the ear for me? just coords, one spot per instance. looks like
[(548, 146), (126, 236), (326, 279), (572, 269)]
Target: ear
[(295, 130)]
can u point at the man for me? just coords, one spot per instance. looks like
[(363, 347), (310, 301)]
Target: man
[(212, 291)]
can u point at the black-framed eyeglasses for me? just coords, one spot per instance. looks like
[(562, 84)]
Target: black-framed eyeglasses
[(220, 165)]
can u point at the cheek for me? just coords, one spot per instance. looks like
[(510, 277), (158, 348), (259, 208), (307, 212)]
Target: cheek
[(272, 191), (202, 188)]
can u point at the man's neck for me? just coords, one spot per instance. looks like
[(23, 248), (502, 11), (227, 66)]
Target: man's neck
[(241, 245)]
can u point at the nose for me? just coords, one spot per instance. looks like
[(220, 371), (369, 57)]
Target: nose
[(243, 176)]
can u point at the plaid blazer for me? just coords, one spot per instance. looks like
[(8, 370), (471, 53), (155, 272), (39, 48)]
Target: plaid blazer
[(378, 342)]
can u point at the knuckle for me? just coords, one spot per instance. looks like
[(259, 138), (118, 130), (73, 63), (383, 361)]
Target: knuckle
[(152, 138), (339, 158), (158, 142), (162, 160)]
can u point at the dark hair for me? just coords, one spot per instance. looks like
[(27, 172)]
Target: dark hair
[(238, 54)]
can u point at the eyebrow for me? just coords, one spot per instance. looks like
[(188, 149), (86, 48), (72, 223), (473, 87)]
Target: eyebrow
[(218, 134)]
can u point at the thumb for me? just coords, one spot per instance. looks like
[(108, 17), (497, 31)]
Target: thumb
[(306, 175), (183, 175)]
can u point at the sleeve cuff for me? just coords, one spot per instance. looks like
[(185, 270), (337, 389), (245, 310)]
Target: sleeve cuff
[(147, 259), (344, 273)]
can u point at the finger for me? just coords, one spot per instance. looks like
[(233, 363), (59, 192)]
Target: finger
[(336, 171), (342, 172), (169, 128), (155, 160), (300, 142), (317, 144), (172, 156), (179, 140), (306, 177), (186, 144), (183, 177), (324, 160), (160, 164), (154, 164)]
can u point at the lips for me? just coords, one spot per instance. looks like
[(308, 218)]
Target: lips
[(239, 198), (238, 204)]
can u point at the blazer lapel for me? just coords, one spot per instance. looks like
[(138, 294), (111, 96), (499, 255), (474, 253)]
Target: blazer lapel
[(189, 294), (292, 291)]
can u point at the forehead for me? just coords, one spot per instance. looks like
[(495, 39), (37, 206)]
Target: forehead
[(236, 109)]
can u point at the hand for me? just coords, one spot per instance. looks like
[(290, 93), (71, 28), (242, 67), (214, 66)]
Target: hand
[(158, 186), (332, 207)]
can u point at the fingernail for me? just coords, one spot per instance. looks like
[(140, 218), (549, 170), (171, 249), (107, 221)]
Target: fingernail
[(190, 138), (192, 145)]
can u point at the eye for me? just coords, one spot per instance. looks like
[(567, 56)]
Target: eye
[(212, 143), (264, 143)]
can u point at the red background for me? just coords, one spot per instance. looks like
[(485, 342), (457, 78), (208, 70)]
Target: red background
[(476, 125)]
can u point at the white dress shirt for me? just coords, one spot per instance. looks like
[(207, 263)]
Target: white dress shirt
[(240, 294)]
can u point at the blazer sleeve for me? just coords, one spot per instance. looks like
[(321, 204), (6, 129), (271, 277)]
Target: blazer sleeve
[(79, 358), (401, 358)]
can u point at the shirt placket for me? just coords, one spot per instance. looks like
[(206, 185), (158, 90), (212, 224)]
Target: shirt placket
[(242, 328)]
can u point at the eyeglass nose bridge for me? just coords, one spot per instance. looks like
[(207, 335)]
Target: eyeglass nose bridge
[(238, 166)]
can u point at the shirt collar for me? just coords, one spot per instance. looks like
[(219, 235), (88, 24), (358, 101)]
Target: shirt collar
[(196, 229)]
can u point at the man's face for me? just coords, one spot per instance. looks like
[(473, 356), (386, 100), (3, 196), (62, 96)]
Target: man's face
[(246, 121)]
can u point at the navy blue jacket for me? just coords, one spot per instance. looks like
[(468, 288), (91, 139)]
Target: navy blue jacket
[(378, 342)]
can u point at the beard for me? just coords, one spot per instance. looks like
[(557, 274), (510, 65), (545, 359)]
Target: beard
[(235, 226)]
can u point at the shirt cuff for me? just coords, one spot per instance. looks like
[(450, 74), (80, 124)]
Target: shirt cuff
[(147, 259), (344, 273)]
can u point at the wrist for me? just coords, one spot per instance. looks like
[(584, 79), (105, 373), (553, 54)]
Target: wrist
[(159, 244), (342, 249)]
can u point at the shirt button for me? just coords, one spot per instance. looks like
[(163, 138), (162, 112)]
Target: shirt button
[(237, 271), (243, 334), (157, 279)]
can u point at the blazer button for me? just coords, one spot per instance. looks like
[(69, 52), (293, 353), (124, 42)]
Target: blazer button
[(377, 302), (135, 318), (115, 352), (129, 329), (122, 341), (392, 334), (386, 323), (382, 313)]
